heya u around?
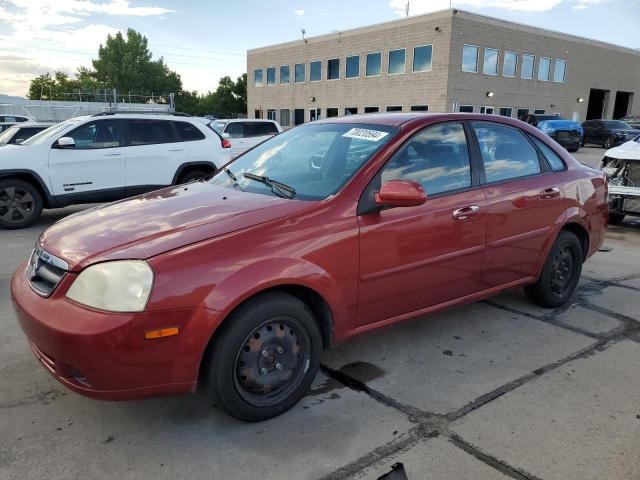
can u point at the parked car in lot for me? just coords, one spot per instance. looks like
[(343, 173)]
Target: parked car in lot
[(607, 133), (101, 158), (245, 134), (15, 119), (241, 279), (20, 132), (632, 120), (567, 133), (535, 118), (622, 167), (6, 125)]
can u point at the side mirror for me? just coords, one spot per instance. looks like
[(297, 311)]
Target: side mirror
[(66, 142), (400, 193), (18, 141)]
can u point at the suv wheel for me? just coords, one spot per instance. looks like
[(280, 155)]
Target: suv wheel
[(20, 203), (560, 273), (608, 142), (192, 176), (264, 357)]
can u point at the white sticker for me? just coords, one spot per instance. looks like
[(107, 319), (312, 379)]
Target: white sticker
[(366, 134)]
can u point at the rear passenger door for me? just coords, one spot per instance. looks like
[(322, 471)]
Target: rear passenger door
[(524, 199), (154, 154), (234, 131)]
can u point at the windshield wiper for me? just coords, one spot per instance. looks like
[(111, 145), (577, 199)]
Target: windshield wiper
[(281, 189), (231, 175)]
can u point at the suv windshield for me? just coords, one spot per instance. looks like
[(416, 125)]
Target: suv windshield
[(313, 161), (51, 132), (616, 124)]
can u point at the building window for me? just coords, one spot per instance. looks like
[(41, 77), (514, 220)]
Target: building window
[(271, 115), (315, 71), (419, 108), (333, 69), (299, 72), (559, 71), (394, 108), (257, 77), (465, 108), (285, 119), (257, 114), (526, 71), (509, 65), (351, 111), (271, 76), (487, 110), (539, 111), (521, 112), (544, 68), (506, 111), (332, 112), (490, 65), (353, 66), (371, 109), (396, 61), (374, 64), (298, 116), (422, 57), (284, 74), (314, 114), (469, 58)]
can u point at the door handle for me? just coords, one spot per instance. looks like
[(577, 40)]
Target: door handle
[(116, 154), (176, 149), (465, 212), (553, 192)]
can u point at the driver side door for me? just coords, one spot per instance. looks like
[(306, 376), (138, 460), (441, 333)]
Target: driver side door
[(412, 258)]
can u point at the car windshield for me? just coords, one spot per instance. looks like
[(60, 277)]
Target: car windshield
[(7, 134), (51, 132), (309, 162), (616, 124), (217, 125)]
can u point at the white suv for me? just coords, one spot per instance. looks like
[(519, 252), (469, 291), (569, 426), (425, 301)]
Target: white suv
[(102, 158), (246, 134)]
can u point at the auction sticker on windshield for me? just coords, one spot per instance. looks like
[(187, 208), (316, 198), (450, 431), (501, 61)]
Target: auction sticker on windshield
[(365, 134)]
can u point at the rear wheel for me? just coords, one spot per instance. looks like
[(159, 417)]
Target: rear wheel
[(193, 175), (560, 273), (573, 149), (616, 218), (20, 203), (608, 142), (264, 358)]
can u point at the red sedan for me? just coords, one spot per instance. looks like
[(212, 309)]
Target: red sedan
[(325, 231)]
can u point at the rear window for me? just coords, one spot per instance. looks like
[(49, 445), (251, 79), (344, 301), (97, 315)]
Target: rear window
[(188, 132), (258, 129), (555, 162), (150, 132)]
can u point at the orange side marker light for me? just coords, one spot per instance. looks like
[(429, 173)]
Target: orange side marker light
[(161, 333)]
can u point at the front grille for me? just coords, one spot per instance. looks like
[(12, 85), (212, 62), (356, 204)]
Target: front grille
[(567, 134), (45, 271), (631, 205)]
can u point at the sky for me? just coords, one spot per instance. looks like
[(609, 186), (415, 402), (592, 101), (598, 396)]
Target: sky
[(204, 40)]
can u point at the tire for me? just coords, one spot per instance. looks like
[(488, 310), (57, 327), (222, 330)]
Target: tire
[(616, 218), (573, 150), (20, 203), (582, 142), (608, 142), (560, 273), (264, 357), (193, 175)]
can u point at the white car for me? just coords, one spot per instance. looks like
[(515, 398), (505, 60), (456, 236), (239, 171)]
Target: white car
[(622, 167), (245, 134), (104, 157), (20, 132)]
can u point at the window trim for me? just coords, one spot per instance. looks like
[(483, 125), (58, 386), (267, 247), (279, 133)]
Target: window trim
[(316, 110), (386, 109), (477, 58), (497, 50), (485, 107), (413, 59), (262, 84), (288, 75), (404, 64), (515, 70), (528, 109), (304, 64), (346, 60), (345, 111), (329, 60), (533, 66), (370, 106), (539, 111), (423, 105), (275, 80), (505, 106), (473, 108), (548, 69), (330, 108), (367, 61), (310, 63), (564, 73)]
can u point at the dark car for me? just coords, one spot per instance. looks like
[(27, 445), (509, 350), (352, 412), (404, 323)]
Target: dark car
[(567, 133), (608, 133), (632, 120), (534, 118), (238, 281), (20, 132)]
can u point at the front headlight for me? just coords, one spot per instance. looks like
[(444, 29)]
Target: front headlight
[(118, 286)]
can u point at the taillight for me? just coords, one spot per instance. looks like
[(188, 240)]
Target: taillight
[(226, 143)]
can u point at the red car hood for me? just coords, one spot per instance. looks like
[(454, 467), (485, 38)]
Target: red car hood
[(147, 225)]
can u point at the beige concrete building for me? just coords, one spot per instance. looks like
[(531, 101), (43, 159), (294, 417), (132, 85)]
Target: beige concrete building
[(441, 62)]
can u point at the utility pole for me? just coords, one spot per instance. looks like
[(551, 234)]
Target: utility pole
[(406, 8)]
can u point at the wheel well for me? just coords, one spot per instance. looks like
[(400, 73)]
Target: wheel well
[(26, 177), (199, 167), (580, 232)]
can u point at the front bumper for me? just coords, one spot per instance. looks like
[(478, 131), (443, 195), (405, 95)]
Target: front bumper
[(104, 355)]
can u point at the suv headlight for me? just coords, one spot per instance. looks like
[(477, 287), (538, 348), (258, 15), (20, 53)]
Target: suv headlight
[(117, 286)]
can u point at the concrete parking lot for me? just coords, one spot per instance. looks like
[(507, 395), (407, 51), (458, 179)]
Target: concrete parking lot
[(496, 389)]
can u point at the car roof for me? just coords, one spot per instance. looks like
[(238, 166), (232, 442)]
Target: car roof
[(399, 119), (235, 120), (34, 124)]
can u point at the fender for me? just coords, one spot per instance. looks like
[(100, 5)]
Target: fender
[(49, 199), (185, 165)]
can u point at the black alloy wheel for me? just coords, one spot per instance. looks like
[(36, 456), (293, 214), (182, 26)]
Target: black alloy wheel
[(608, 142), (20, 204)]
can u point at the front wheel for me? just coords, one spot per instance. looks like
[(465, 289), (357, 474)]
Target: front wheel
[(20, 203), (573, 149), (560, 273), (192, 176), (608, 142), (264, 357)]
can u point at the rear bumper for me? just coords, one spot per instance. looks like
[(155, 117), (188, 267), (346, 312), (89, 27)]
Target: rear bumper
[(568, 142), (104, 355)]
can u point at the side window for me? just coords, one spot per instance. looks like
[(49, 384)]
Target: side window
[(270, 128), (98, 134), (235, 130), (26, 133), (552, 157), (506, 152), (437, 158), (188, 132), (150, 132), (259, 129)]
